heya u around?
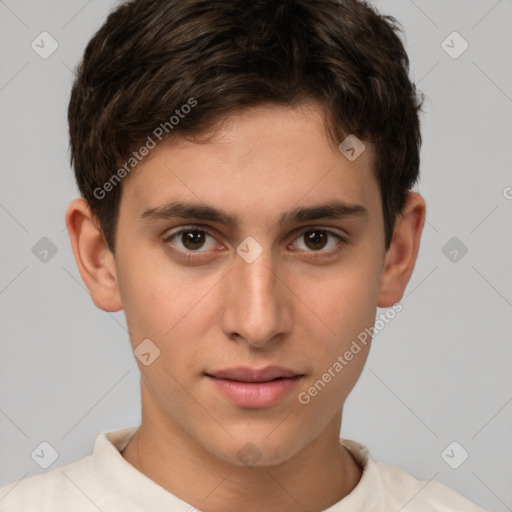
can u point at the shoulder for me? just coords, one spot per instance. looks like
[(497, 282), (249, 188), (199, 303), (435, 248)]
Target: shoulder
[(62, 485), (82, 486), (425, 495), (399, 490)]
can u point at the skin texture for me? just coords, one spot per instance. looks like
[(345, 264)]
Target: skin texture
[(217, 311)]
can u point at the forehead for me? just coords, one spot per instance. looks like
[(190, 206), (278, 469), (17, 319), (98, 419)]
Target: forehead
[(262, 159)]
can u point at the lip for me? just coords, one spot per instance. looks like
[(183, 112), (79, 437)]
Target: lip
[(255, 388), (246, 374)]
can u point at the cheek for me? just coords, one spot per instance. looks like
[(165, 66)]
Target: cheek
[(155, 294), (348, 308), (347, 301), (170, 308)]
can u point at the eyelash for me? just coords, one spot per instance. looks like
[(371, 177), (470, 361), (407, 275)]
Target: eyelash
[(193, 255)]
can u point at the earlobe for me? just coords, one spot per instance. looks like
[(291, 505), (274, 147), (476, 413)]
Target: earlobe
[(402, 254), (94, 260)]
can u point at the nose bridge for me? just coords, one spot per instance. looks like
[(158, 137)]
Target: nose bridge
[(257, 278)]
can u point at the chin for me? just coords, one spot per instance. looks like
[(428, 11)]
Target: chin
[(258, 449)]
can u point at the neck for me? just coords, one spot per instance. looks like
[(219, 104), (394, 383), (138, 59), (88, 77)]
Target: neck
[(315, 478)]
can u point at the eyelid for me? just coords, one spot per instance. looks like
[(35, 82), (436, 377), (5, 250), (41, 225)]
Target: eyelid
[(340, 233)]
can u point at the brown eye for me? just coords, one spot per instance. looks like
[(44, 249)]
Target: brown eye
[(319, 244), (319, 240), (191, 240), (316, 239)]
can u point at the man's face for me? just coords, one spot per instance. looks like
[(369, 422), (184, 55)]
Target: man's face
[(210, 301)]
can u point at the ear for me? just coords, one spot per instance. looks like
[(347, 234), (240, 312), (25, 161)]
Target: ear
[(403, 251), (95, 262)]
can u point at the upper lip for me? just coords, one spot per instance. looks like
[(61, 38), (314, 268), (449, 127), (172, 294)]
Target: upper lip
[(246, 374)]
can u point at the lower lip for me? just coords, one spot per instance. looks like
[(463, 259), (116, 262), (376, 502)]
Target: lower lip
[(256, 395)]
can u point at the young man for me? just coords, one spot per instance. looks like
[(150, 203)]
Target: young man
[(246, 171)]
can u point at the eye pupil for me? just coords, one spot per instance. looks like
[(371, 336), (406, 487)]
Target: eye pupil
[(316, 237), (195, 238)]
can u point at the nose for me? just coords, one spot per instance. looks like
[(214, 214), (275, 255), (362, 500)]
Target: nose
[(257, 308)]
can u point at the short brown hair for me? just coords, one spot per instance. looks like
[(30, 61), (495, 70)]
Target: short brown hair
[(152, 56)]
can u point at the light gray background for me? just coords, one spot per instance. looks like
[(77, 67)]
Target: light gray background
[(438, 373)]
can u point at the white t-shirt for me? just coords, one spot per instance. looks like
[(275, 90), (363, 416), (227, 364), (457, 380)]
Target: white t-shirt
[(104, 481)]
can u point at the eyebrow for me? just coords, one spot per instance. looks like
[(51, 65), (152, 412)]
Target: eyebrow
[(328, 210)]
